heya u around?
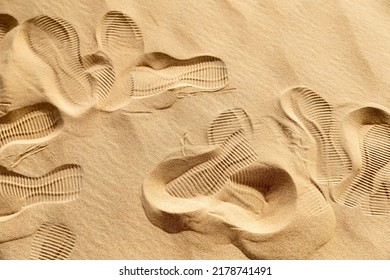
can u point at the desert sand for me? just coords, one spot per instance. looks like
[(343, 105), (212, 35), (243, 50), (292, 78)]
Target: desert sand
[(210, 129)]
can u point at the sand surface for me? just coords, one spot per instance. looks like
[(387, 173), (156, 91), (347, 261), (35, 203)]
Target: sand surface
[(210, 129)]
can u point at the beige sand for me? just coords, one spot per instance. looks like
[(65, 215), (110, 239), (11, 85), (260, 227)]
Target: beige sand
[(194, 129)]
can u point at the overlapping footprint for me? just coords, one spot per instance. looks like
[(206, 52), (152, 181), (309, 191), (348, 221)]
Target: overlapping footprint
[(312, 113), (225, 190), (29, 125), (45, 51), (367, 138), (351, 157), (54, 45), (144, 75), (76, 83), (120, 44)]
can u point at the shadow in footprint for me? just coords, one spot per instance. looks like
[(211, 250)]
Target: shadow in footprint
[(7, 22), (266, 191)]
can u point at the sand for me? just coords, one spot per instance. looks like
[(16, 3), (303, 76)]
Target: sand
[(194, 129)]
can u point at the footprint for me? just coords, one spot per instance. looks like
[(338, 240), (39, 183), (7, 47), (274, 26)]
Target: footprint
[(231, 130), (367, 138), (7, 22), (366, 134), (204, 73), (316, 116), (228, 123), (225, 191), (201, 74), (188, 183), (352, 158), (375, 156), (102, 73), (144, 75), (255, 209), (55, 42), (120, 38), (52, 242), (17, 191), (277, 211), (188, 180), (31, 124)]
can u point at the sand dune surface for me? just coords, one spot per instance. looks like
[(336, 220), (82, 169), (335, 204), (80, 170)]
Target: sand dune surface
[(194, 130)]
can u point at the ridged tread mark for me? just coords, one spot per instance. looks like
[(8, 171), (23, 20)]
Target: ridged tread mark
[(205, 73), (30, 124), (62, 184), (378, 202), (312, 202), (56, 42), (315, 115), (119, 37), (52, 242), (227, 123), (102, 73), (209, 177), (7, 22), (370, 188), (118, 31)]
